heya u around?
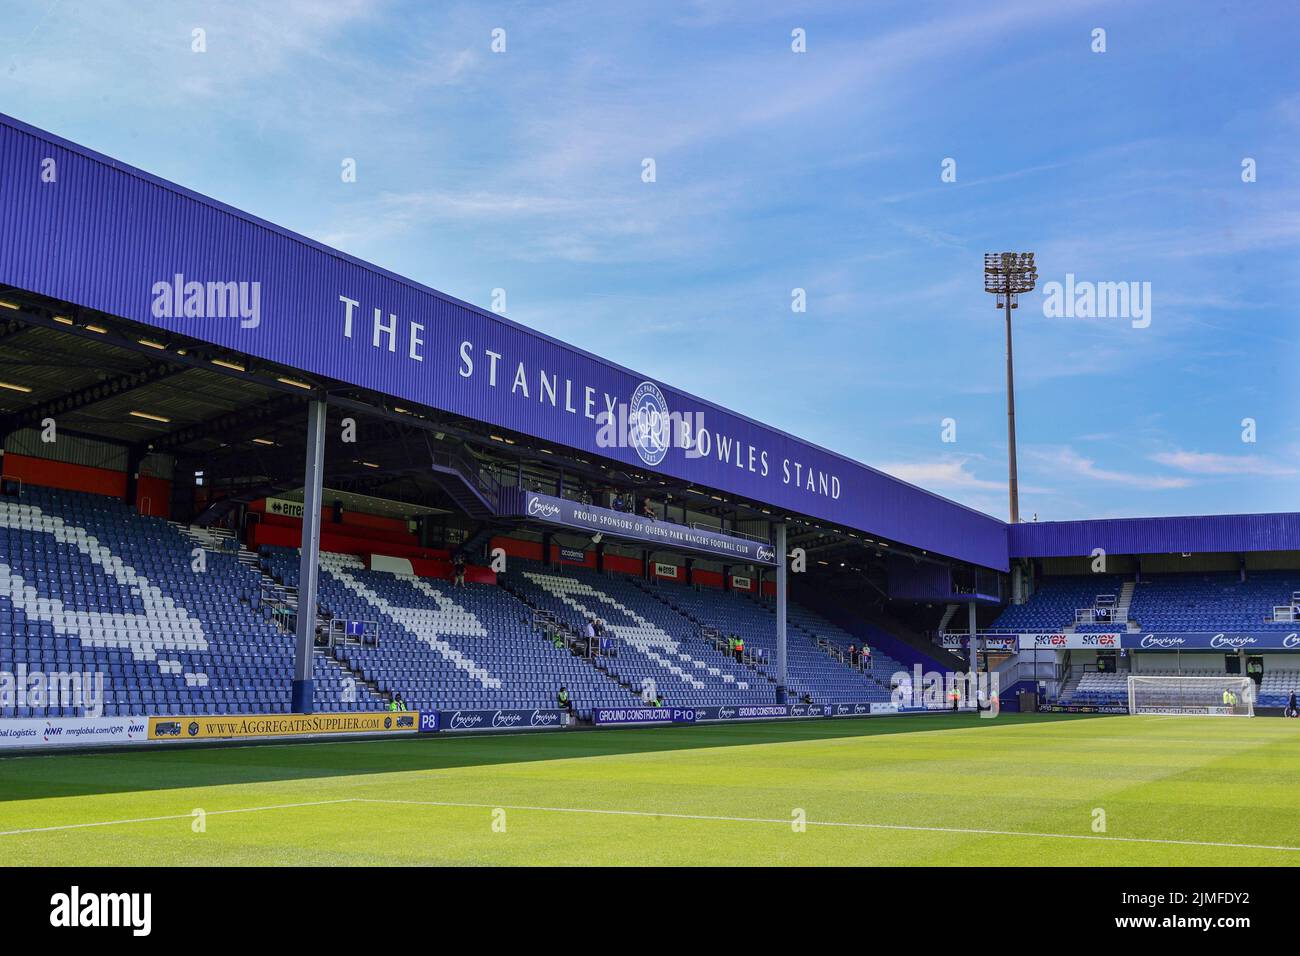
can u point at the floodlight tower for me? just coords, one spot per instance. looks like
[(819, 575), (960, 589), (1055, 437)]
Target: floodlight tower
[(1006, 275)]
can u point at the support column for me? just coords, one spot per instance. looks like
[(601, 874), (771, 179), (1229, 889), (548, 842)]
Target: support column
[(781, 592), (305, 639), (974, 651)]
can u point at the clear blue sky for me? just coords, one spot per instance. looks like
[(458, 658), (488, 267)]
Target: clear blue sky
[(775, 170)]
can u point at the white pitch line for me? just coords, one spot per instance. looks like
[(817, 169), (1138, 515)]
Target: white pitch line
[(174, 816), (831, 823)]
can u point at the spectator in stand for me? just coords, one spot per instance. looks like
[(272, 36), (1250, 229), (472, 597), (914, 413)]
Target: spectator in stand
[(866, 657), (647, 510), (853, 656), (458, 570)]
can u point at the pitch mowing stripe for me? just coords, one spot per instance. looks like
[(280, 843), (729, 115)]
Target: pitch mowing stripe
[(969, 831), (832, 823), (174, 816)]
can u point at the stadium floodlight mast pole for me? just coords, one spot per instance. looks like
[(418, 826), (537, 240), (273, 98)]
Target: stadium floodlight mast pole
[(1007, 275), (782, 583)]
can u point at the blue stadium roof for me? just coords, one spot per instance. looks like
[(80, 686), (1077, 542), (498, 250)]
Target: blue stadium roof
[(1195, 534)]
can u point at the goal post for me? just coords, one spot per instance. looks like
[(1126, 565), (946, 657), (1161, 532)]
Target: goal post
[(1226, 695)]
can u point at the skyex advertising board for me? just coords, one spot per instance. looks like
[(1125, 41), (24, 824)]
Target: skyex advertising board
[(1072, 642)]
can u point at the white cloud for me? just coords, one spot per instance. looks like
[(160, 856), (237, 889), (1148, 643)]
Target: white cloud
[(1066, 462), (945, 474), (1209, 463)]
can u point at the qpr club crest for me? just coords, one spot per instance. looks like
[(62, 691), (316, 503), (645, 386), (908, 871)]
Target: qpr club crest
[(648, 427)]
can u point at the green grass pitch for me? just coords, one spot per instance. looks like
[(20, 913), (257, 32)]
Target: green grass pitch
[(949, 790)]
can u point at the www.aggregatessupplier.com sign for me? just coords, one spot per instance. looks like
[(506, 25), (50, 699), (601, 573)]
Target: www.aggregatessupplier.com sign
[(281, 725)]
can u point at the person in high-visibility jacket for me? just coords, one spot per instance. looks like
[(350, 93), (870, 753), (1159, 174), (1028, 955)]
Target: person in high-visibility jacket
[(1229, 698)]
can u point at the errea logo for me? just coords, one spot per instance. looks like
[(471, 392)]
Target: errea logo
[(76, 909)]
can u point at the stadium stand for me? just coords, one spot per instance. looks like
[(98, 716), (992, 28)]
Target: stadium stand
[(653, 644), (1276, 686), (1160, 602), (1212, 602), (440, 647), (1053, 605), (89, 585), (817, 670)]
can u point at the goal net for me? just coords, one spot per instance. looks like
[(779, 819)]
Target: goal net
[(1225, 695)]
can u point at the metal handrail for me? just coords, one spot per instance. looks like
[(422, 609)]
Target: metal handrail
[(471, 468), (336, 632), (702, 526)]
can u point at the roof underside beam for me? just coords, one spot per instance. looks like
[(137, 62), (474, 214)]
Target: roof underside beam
[(89, 395)]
